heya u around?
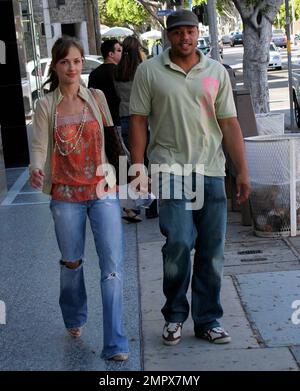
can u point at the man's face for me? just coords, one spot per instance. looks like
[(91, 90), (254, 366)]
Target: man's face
[(116, 54), (183, 40)]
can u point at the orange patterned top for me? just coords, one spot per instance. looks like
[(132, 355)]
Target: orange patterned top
[(74, 176)]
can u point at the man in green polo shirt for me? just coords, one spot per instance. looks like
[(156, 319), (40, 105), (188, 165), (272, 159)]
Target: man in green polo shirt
[(186, 98)]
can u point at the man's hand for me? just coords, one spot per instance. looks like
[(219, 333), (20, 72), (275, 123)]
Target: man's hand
[(141, 183), (243, 188), (37, 178)]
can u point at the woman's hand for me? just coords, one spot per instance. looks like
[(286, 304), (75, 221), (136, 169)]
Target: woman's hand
[(37, 178)]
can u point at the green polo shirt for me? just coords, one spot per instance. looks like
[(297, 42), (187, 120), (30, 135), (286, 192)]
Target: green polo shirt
[(183, 109)]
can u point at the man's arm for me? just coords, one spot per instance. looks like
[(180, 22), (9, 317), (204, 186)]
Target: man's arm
[(138, 137), (234, 145), (137, 146)]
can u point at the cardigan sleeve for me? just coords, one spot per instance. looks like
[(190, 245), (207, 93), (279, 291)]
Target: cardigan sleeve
[(39, 144)]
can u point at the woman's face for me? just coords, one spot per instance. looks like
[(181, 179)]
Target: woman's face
[(69, 68)]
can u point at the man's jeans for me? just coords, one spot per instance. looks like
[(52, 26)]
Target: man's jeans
[(203, 230), (70, 227)]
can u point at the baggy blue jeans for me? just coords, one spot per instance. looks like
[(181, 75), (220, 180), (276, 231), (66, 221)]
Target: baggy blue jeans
[(70, 228), (203, 230)]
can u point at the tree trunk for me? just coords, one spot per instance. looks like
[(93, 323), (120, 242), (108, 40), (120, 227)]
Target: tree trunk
[(255, 65), (258, 17)]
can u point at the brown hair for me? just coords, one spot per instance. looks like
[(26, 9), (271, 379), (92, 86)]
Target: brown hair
[(59, 51), (131, 58)]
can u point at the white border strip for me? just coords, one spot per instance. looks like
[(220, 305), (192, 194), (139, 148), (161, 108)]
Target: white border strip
[(30, 192), (30, 203), (15, 189)]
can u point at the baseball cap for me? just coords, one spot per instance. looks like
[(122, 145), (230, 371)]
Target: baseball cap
[(182, 18)]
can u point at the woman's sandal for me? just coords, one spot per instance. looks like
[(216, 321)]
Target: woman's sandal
[(131, 216), (75, 331), (120, 357)]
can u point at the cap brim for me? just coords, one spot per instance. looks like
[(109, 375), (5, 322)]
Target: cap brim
[(178, 24)]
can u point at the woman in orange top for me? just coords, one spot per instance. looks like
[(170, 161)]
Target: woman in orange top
[(68, 159)]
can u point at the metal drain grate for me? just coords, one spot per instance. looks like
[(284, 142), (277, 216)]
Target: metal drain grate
[(246, 252), (254, 259)]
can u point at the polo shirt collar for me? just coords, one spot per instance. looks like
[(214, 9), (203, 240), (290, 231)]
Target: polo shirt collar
[(167, 61)]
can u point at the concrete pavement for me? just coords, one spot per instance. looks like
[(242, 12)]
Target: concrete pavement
[(261, 281), (34, 337)]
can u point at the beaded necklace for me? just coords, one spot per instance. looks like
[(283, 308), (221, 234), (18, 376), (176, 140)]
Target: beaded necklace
[(76, 138)]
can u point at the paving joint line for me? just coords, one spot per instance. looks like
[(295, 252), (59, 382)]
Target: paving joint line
[(244, 306)]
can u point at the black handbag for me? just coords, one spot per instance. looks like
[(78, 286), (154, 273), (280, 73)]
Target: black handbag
[(114, 148), (113, 142)]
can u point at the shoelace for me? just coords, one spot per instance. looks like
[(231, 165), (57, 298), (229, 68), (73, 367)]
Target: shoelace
[(173, 327), (218, 330)]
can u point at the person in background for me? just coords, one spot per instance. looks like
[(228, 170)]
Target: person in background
[(124, 73), (157, 48), (102, 77), (67, 150)]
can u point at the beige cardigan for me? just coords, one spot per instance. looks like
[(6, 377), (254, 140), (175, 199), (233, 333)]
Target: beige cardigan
[(43, 125)]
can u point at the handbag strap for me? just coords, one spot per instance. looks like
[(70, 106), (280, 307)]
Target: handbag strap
[(97, 99)]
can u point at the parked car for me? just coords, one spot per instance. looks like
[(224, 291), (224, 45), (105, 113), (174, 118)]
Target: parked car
[(91, 62), (296, 87), (279, 38), (207, 39), (236, 39), (226, 39), (296, 39), (296, 96), (275, 61), (204, 45)]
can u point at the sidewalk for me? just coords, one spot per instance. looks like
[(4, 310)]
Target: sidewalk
[(261, 280), (258, 290), (34, 337)]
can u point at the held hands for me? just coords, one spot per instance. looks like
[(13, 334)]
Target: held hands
[(141, 183), (37, 178), (243, 188)]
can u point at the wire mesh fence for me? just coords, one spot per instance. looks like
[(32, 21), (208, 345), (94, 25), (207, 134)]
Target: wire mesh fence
[(274, 169)]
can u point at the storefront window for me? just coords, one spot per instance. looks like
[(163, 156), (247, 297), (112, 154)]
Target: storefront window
[(29, 55)]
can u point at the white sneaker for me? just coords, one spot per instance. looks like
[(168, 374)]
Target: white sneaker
[(215, 335), (172, 333)]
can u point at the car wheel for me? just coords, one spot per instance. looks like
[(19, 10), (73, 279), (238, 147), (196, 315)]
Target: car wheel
[(35, 98), (297, 110), (279, 68)]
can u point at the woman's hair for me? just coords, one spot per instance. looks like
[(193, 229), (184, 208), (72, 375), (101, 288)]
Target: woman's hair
[(131, 58), (59, 51)]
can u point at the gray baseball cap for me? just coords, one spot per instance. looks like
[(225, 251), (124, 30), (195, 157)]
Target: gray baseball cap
[(182, 18)]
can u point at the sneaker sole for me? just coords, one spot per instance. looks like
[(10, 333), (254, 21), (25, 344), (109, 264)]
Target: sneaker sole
[(171, 343), (216, 341), (221, 340)]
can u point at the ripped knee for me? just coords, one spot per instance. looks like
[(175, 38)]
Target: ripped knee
[(71, 265), (112, 276)]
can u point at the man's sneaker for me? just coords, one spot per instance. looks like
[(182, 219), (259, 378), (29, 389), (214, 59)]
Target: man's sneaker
[(172, 333), (214, 335)]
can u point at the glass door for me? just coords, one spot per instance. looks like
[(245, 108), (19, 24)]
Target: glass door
[(34, 69)]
